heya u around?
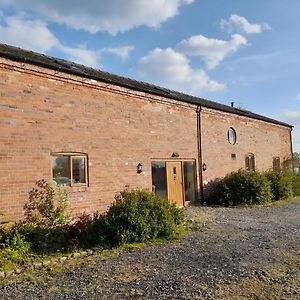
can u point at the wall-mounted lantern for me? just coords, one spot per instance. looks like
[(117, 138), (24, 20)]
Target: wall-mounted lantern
[(139, 168), (175, 154), (204, 167)]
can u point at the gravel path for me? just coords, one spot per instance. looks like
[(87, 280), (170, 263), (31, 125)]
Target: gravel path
[(239, 253)]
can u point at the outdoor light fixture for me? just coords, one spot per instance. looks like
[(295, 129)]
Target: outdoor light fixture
[(139, 168), (204, 167), (175, 154)]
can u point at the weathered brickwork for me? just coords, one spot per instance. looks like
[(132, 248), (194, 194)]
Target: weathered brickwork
[(264, 140), (43, 111)]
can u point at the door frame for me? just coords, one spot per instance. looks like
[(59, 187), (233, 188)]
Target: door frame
[(181, 160)]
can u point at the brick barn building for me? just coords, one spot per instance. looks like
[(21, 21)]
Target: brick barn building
[(101, 133)]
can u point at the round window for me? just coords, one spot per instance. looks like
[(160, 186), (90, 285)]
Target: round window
[(231, 136)]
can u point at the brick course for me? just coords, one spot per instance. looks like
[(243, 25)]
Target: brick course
[(44, 111), (264, 140)]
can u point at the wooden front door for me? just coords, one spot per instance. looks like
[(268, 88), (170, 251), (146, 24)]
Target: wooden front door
[(174, 182)]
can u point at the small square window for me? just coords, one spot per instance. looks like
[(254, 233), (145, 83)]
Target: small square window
[(69, 169)]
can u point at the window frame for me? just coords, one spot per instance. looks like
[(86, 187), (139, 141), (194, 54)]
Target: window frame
[(231, 129), (166, 160), (247, 162), (70, 156)]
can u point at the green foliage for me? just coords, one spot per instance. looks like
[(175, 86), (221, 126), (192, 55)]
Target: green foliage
[(81, 232), (244, 187), (241, 187), (135, 216), (138, 216), (296, 185), (281, 184), (45, 239), (215, 193), (46, 218), (13, 248), (42, 209)]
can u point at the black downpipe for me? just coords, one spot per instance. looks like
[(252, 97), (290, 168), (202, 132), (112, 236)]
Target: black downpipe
[(292, 154), (200, 193)]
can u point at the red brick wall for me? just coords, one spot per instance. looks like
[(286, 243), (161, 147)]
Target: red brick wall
[(43, 111), (264, 140)]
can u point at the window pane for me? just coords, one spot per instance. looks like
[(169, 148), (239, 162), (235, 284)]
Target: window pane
[(231, 136), (159, 178), (250, 162), (78, 169), (189, 180), (276, 164), (61, 170)]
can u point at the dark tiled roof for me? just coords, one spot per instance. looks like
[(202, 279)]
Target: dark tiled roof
[(62, 65)]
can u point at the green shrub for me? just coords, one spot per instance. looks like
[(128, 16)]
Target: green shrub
[(215, 193), (46, 218), (13, 249), (241, 187), (296, 185), (244, 187), (281, 184), (42, 209), (138, 216), (81, 232), (45, 239)]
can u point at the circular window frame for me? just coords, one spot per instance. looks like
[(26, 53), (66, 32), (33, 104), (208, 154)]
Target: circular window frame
[(231, 136)]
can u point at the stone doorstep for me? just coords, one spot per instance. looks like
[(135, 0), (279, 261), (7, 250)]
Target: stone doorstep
[(45, 263)]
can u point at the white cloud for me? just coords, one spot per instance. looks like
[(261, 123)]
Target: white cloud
[(27, 34), (102, 15), (122, 52), (35, 35), (211, 51), (290, 115), (241, 24), (298, 97), (296, 140), (172, 69), (81, 55)]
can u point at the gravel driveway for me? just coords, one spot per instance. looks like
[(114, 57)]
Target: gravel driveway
[(238, 253)]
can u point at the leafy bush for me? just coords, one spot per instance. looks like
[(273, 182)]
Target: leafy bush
[(215, 192), (138, 216), (241, 187), (135, 216), (244, 187), (296, 185), (44, 239), (42, 209), (46, 218), (281, 184), (81, 232), (13, 248)]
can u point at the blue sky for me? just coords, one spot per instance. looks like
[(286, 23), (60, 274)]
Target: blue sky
[(241, 51)]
